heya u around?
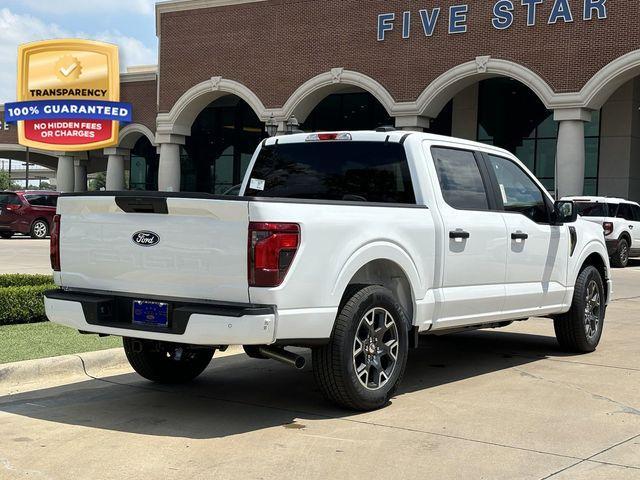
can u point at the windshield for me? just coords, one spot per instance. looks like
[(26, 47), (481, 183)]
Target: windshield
[(347, 171)]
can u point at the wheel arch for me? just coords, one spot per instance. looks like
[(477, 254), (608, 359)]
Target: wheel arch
[(44, 219), (383, 264), (627, 236), (594, 258)]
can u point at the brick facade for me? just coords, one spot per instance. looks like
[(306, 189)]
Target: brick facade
[(274, 46), (142, 95)]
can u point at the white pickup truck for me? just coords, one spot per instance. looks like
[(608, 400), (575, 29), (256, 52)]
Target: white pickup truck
[(352, 244)]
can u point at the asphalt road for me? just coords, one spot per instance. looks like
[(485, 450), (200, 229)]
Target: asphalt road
[(497, 404)]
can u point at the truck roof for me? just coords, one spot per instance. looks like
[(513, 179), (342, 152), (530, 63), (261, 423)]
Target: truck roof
[(599, 199), (396, 136)]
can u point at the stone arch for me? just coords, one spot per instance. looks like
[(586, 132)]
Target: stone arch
[(608, 79), (308, 95), (193, 101), (131, 133), (433, 99)]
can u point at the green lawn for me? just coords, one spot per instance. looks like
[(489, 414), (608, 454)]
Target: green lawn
[(39, 340)]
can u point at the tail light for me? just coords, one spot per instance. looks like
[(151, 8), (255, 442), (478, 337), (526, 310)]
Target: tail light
[(608, 228), (272, 247), (12, 208), (324, 137), (54, 248)]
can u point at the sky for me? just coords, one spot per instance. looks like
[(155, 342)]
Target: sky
[(128, 23)]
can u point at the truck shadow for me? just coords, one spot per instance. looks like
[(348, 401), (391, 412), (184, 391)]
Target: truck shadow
[(238, 394)]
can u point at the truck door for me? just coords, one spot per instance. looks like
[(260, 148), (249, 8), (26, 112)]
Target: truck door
[(474, 241), (538, 252)]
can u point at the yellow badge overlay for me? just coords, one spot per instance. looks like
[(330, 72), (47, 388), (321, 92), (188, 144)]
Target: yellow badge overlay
[(68, 70)]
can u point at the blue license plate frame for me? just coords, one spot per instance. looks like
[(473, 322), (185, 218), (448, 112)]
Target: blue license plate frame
[(150, 314)]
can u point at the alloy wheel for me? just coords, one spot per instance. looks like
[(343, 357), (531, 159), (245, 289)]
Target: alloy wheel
[(592, 310), (40, 229), (375, 348)]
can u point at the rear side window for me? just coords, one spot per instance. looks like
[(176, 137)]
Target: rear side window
[(42, 200), (588, 209), (346, 171), (636, 213), (460, 180)]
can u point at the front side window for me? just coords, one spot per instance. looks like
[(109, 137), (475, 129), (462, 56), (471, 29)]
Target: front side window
[(624, 211), (518, 191), (344, 171), (460, 180)]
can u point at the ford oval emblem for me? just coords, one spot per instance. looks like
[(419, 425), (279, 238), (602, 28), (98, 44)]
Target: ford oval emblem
[(146, 238)]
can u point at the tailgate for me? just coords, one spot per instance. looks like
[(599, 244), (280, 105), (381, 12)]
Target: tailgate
[(161, 245)]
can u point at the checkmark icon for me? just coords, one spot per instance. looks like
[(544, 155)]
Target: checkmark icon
[(67, 71)]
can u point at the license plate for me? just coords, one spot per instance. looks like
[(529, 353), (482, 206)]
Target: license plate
[(152, 314)]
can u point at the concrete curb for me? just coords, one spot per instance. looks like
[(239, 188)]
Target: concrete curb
[(63, 367)]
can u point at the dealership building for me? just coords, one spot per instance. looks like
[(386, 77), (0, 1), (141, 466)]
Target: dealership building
[(556, 82)]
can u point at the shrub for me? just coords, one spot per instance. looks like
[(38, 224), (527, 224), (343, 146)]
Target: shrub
[(23, 280), (23, 304)]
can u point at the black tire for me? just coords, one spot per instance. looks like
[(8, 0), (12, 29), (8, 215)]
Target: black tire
[(620, 258), (574, 331), (164, 362), (39, 229), (6, 235), (334, 365)]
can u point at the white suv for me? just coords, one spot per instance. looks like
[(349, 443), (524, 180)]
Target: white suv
[(620, 220)]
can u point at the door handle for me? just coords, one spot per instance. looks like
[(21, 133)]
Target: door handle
[(519, 236), (459, 235)]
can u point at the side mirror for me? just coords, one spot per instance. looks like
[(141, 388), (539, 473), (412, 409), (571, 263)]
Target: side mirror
[(565, 212)]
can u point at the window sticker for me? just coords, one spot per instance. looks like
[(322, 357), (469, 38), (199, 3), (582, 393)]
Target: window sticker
[(256, 184), (504, 194)]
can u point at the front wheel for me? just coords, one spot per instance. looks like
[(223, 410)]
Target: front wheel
[(580, 329), (165, 362), (363, 364), (39, 229)]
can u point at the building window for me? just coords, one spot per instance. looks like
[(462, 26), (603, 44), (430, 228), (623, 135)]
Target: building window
[(512, 117), (143, 174), (219, 149), (347, 111)]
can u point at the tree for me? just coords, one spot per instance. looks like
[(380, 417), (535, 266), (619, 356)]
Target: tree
[(5, 180), (98, 182)]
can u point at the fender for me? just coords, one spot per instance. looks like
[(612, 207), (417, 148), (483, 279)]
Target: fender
[(379, 250), (591, 247)]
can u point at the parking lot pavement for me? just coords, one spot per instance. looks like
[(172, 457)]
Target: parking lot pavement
[(498, 404), (21, 254)]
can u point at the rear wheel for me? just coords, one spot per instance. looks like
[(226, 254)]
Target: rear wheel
[(39, 229), (6, 235), (363, 364), (580, 329), (165, 362), (620, 258)]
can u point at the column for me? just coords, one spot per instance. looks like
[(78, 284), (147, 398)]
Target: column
[(169, 167), (80, 175), (115, 168), (412, 123), (570, 155), (464, 119), (65, 177)]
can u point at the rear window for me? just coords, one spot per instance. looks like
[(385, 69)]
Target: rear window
[(347, 171), (589, 209), (42, 200), (9, 199)]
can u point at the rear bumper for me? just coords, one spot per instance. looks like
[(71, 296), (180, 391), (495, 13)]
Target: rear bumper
[(190, 323), (612, 246)]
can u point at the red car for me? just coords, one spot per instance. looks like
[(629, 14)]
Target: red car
[(28, 212)]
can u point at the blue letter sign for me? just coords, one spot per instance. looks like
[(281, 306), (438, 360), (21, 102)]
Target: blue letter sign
[(531, 10), (502, 16), (561, 11), (458, 18), (429, 21), (598, 5), (385, 24)]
